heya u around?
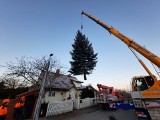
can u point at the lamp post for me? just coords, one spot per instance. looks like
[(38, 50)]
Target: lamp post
[(38, 105)]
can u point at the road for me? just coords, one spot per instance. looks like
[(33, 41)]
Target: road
[(92, 113)]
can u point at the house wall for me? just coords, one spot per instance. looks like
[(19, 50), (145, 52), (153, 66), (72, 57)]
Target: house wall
[(65, 94), (77, 84), (75, 94), (55, 96), (62, 95)]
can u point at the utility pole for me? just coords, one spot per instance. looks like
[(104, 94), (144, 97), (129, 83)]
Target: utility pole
[(38, 105)]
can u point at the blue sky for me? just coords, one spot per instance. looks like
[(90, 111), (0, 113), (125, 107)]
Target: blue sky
[(34, 28)]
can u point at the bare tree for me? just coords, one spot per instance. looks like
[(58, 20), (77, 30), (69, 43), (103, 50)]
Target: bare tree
[(10, 82), (28, 70), (2, 85)]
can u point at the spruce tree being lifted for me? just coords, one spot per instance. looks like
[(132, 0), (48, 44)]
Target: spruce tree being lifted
[(84, 59)]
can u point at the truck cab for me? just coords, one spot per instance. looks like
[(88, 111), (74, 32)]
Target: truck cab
[(140, 83)]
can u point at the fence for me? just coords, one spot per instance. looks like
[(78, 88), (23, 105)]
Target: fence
[(83, 103), (59, 107)]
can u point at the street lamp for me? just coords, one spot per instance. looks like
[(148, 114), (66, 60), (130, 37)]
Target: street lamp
[(38, 105)]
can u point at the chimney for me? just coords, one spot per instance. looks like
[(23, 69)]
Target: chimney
[(57, 72)]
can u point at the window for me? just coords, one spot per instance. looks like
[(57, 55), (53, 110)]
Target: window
[(51, 93), (141, 83)]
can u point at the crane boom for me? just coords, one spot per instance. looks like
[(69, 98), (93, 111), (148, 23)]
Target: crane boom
[(145, 89), (140, 49)]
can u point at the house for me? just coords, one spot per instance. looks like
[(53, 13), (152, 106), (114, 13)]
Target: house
[(59, 87)]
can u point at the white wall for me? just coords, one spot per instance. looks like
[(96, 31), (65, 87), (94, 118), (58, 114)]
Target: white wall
[(62, 95), (75, 94), (59, 96)]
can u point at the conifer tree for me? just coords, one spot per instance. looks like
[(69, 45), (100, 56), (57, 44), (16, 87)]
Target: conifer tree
[(83, 58)]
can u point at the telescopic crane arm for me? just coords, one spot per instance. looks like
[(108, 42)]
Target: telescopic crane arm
[(142, 50), (103, 88)]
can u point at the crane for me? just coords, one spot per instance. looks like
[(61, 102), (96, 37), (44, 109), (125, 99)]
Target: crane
[(147, 98), (133, 46), (107, 97), (140, 49)]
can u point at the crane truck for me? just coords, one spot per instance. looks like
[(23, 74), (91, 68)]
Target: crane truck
[(107, 97), (145, 89)]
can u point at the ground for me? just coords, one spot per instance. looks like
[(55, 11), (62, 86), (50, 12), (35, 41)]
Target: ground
[(93, 113)]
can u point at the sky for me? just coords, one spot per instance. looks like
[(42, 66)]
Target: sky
[(36, 28)]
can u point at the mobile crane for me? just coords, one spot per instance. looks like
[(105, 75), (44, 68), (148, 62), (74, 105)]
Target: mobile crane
[(108, 97), (106, 93), (110, 92), (148, 91)]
